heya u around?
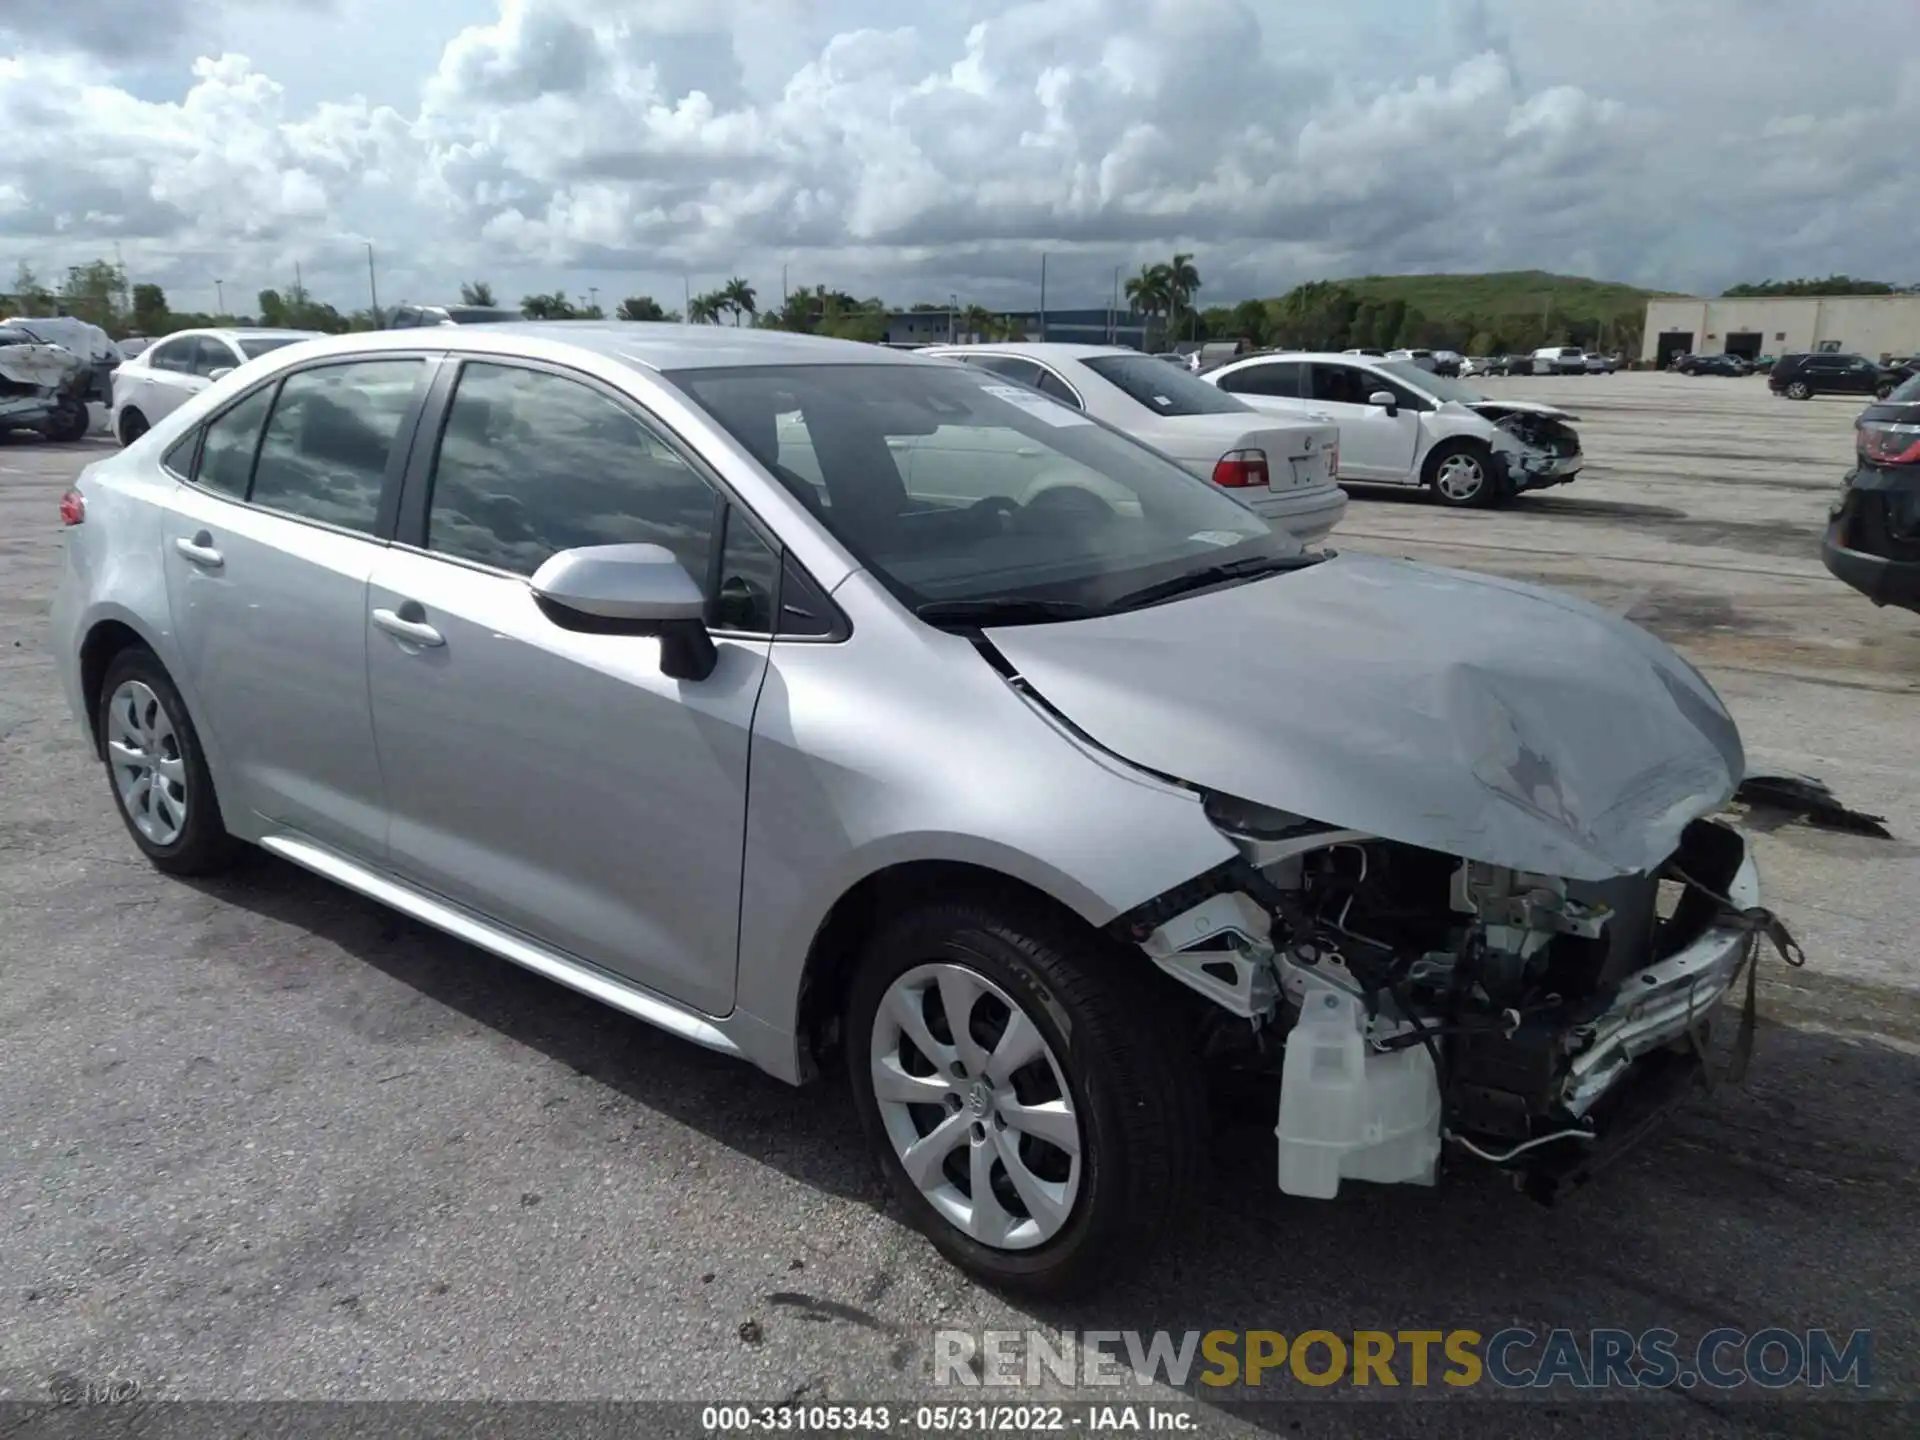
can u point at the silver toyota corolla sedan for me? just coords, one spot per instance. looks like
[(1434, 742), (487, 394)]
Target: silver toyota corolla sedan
[(839, 708)]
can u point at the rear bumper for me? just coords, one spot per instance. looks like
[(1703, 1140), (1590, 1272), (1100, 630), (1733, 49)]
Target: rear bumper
[(1309, 514), (1883, 581)]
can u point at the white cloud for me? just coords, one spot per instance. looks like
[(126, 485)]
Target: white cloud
[(625, 142)]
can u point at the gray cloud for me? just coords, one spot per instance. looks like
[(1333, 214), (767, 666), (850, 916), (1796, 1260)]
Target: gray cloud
[(636, 140), (117, 30)]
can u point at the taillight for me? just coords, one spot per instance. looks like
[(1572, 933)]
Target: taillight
[(1240, 469), (1333, 462), (73, 508), (1889, 444)]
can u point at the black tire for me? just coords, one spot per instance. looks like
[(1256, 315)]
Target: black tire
[(69, 421), (1881, 392), (132, 426), (1128, 1073), (1799, 390), (202, 845), (1492, 486)]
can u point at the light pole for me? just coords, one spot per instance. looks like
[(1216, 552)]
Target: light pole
[(219, 296), (1043, 296), (593, 297), (953, 315), (373, 289)]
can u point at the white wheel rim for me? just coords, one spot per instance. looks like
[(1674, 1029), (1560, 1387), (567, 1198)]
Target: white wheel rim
[(982, 1122), (149, 773), (1460, 477)]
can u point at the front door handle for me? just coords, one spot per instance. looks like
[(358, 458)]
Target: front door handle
[(199, 551), (409, 623)]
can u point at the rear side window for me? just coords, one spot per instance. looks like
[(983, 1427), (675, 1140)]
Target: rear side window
[(324, 456), (1281, 378), (226, 457), (532, 463), (1027, 372)]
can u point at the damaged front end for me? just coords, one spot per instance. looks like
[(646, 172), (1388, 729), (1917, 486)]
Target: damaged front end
[(42, 387), (1539, 448), (1412, 998)]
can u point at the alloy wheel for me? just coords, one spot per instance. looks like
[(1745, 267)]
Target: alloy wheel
[(149, 772), (976, 1106), (1459, 477)]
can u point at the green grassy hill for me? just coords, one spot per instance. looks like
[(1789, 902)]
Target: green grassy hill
[(1518, 293)]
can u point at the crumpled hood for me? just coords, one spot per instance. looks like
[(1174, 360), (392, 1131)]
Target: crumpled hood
[(1462, 713), (1494, 409)]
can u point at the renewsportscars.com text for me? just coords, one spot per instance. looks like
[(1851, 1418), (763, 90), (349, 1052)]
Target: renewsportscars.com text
[(1509, 1359)]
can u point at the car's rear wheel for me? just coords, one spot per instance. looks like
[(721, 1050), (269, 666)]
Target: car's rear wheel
[(69, 421), (132, 426), (1799, 390), (1029, 1105), (157, 771), (1461, 473), (1882, 390)]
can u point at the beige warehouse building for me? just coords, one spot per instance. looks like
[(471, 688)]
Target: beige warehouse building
[(1877, 326)]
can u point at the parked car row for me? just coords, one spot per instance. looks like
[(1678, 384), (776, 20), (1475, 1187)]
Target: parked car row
[(1801, 377), (846, 708)]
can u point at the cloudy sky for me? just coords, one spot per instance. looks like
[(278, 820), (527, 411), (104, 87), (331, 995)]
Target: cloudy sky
[(639, 146)]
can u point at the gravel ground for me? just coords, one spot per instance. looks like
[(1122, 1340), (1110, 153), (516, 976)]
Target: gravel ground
[(265, 1141)]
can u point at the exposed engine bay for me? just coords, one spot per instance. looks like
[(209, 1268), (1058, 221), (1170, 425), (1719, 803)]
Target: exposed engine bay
[(1414, 998), (1543, 449), (42, 386)]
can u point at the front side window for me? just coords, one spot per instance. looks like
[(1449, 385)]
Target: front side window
[(325, 452), (211, 354), (1341, 384), (533, 463), (1162, 388), (226, 457), (749, 579), (956, 486)]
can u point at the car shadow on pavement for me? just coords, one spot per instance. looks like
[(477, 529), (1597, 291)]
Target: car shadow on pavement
[(1784, 1202)]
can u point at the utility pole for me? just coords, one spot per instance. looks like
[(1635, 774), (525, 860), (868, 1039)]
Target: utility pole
[(220, 296), (373, 290), (686, 299), (593, 297), (1043, 295), (953, 316), (299, 288), (783, 287), (1113, 310)]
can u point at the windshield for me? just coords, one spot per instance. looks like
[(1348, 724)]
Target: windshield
[(956, 485), (479, 314), (252, 345), (1164, 389), (1438, 386)]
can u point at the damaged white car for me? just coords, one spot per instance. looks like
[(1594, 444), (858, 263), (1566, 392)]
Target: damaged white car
[(1401, 424), (1025, 807), (43, 386)]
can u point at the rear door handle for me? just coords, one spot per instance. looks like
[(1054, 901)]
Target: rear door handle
[(199, 551), (404, 626)]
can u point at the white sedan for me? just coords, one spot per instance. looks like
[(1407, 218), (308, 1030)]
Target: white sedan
[(168, 373), (1283, 469), (1402, 425)]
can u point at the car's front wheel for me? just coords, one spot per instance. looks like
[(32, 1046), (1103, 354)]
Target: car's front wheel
[(158, 773), (1029, 1104), (1462, 473), (1799, 390)]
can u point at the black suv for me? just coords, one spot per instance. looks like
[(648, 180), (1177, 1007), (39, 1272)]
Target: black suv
[(1801, 377), (1873, 539)]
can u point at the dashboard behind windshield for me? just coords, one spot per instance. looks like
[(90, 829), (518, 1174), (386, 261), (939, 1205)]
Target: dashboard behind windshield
[(950, 484)]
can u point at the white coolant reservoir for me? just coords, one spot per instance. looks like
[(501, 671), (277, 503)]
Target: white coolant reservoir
[(1348, 1112)]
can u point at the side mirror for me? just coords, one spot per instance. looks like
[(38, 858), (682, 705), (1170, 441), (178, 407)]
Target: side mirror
[(1385, 400), (630, 590), (221, 373)]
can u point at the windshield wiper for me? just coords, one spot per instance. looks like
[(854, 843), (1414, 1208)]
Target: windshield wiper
[(1001, 610), (1215, 575)]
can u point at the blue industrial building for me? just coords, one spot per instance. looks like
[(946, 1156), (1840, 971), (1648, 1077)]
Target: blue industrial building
[(1080, 327)]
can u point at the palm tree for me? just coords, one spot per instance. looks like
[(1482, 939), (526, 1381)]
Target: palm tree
[(1183, 283), (640, 307), (737, 295), (705, 309), (477, 292), (977, 321), (1151, 291)]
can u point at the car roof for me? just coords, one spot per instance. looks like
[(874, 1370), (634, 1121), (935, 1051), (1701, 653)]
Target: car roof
[(649, 344), (1039, 349), (240, 332)]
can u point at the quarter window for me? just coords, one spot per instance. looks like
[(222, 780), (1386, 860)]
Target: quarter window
[(325, 453), (1027, 372), (226, 458), (749, 580), (1051, 384), (174, 355), (210, 355), (532, 463)]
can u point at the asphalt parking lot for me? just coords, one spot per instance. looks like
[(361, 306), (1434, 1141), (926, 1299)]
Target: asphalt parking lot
[(266, 1140)]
